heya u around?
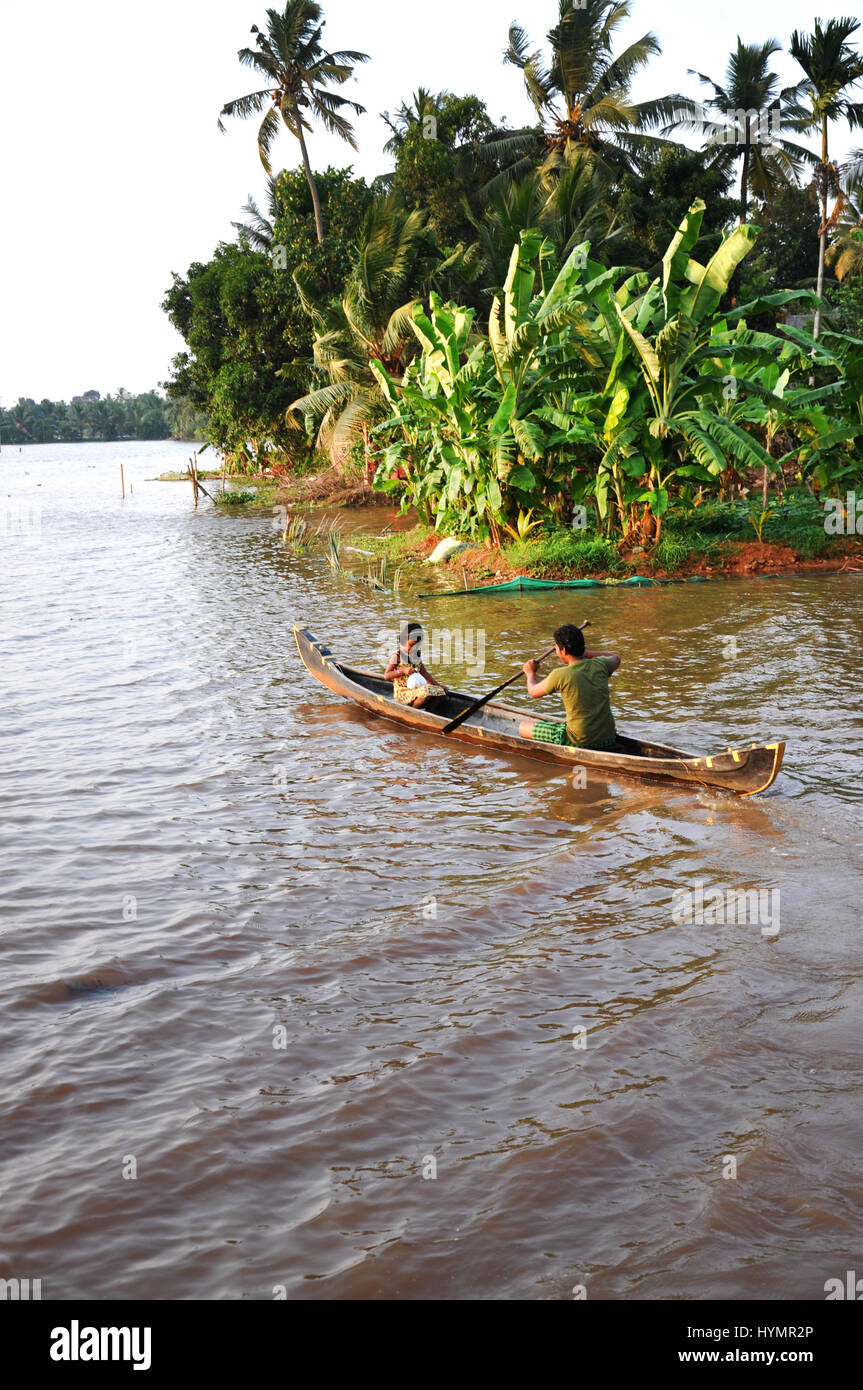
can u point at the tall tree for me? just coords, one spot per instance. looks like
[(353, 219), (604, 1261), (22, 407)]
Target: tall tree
[(248, 338), (833, 68), (438, 141), (298, 70), (650, 206), (743, 121), (569, 211), (581, 92)]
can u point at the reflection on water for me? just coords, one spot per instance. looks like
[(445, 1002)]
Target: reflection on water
[(283, 955)]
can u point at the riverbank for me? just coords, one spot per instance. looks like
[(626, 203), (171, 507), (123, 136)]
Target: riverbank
[(715, 540), (561, 558), (731, 540)]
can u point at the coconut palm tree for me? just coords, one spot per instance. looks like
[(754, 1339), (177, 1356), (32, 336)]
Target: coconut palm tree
[(298, 71), (22, 418), (743, 121), (569, 210), (833, 69), (581, 91), (424, 107), (845, 256), (394, 266)]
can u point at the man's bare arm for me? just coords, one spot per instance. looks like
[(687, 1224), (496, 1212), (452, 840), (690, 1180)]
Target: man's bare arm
[(607, 656), (536, 689)]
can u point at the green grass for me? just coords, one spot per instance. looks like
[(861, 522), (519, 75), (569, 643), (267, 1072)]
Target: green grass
[(566, 552), (175, 477), (235, 499), (797, 520), (672, 552), (709, 532), (398, 546), (263, 496), (799, 523)]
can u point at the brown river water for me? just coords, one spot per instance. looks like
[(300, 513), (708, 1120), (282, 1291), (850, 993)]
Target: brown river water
[(291, 1001)]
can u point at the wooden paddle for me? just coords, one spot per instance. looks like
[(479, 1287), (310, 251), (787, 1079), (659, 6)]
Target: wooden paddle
[(478, 704)]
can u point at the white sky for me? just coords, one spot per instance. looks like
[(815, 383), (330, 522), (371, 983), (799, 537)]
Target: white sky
[(113, 174)]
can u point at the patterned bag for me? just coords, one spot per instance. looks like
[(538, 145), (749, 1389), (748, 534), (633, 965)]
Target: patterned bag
[(404, 694)]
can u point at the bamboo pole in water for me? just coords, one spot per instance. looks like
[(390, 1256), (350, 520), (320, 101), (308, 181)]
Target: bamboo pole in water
[(122, 483), (193, 475)]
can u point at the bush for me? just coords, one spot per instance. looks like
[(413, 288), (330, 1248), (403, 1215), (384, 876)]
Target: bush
[(567, 551)]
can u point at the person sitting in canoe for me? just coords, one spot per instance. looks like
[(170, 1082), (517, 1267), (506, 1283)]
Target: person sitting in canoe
[(412, 683), (582, 683)]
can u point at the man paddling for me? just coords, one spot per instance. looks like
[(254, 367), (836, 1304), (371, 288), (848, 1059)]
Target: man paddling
[(582, 683)]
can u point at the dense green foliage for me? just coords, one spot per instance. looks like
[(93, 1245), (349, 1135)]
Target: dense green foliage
[(91, 416), (620, 392), (751, 97), (512, 324), (651, 204), (249, 337), (441, 146)]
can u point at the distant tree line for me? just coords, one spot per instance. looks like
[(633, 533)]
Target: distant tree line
[(93, 416)]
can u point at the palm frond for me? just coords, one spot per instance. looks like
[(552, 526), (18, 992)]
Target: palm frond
[(267, 132), (245, 106)]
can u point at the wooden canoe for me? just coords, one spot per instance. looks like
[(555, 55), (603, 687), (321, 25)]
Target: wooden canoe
[(744, 771)]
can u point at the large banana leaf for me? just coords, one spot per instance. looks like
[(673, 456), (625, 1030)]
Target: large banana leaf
[(675, 262), (568, 280), (518, 287), (713, 281), (647, 357)]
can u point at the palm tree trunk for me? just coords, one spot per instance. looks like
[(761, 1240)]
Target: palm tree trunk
[(822, 249), (744, 180), (313, 187)]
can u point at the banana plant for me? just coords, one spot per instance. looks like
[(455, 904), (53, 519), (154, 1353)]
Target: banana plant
[(442, 411), (491, 417), (664, 417), (605, 386), (776, 394)]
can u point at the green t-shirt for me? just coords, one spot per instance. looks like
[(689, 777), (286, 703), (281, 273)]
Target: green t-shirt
[(583, 688)]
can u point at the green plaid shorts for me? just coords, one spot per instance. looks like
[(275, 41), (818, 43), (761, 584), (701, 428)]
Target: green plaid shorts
[(547, 731)]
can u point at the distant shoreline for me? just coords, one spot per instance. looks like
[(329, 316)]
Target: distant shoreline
[(121, 439)]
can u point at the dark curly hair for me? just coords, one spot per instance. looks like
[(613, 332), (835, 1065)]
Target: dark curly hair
[(570, 639)]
